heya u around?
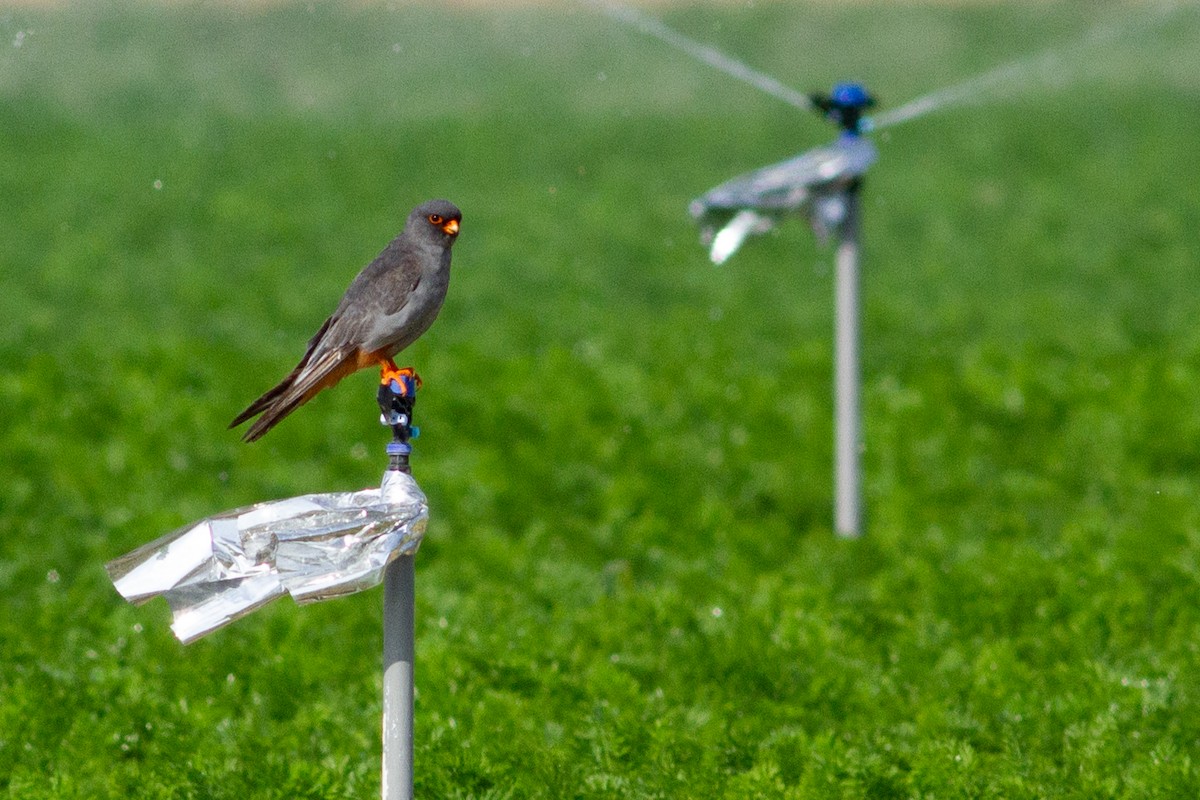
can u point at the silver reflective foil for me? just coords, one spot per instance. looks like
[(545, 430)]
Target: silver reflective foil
[(810, 183), (312, 547)]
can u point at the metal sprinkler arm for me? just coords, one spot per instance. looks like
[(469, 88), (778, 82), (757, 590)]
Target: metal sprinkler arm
[(814, 184)]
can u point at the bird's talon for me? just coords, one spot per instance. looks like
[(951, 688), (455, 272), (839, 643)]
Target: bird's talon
[(402, 381)]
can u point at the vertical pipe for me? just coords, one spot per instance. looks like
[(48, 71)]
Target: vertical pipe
[(399, 617), (848, 422), (399, 598)]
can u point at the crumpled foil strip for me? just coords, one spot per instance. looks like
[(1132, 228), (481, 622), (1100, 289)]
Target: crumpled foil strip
[(753, 203), (313, 547)]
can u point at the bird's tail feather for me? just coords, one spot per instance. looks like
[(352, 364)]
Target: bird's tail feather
[(259, 405), (272, 416), (294, 391)]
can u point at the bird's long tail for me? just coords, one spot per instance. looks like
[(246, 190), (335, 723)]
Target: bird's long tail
[(300, 386)]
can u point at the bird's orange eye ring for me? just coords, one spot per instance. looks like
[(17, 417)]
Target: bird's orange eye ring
[(435, 219)]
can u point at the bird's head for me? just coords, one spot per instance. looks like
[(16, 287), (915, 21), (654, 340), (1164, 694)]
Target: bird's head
[(438, 218)]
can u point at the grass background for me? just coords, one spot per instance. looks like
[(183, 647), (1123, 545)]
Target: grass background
[(630, 587)]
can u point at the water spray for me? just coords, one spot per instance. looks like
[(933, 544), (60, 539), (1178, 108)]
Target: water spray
[(703, 53), (1052, 67)]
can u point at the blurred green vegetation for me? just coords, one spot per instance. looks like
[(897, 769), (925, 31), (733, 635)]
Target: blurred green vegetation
[(630, 588)]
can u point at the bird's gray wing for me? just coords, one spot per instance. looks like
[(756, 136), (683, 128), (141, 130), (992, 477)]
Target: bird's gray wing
[(375, 302)]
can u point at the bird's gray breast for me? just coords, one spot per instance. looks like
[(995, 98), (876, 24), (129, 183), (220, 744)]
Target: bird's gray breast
[(394, 330)]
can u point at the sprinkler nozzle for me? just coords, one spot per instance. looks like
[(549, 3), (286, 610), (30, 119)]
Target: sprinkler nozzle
[(844, 106)]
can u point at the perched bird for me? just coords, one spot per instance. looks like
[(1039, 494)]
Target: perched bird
[(387, 307)]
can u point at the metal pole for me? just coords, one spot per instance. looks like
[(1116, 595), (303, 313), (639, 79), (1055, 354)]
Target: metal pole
[(396, 400), (848, 422), (399, 596)]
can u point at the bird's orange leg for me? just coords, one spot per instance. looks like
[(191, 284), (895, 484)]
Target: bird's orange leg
[(406, 378)]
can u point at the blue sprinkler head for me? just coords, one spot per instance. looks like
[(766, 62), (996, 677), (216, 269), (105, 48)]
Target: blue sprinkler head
[(845, 105)]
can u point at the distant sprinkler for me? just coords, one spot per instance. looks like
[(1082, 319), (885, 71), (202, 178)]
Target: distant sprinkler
[(822, 184)]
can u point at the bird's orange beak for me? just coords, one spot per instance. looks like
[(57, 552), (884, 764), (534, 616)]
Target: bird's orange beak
[(451, 226)]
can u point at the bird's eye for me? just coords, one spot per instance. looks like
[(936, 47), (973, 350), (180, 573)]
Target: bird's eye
[(435, 219)]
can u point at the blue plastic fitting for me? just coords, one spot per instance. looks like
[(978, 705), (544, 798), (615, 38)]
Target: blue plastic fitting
[(850, 95)]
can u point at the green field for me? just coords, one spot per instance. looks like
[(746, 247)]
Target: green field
[(630, 587)]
